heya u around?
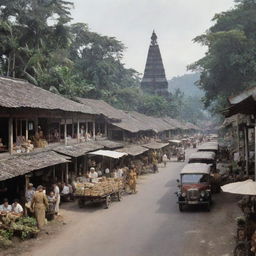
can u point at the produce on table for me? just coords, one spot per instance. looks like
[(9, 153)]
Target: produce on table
[(103, 187)]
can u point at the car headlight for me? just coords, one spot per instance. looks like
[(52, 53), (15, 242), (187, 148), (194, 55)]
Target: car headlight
[(183, 194), (203, 194)]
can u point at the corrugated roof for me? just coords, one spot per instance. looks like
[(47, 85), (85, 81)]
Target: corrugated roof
[(133, 150), (78, 149), (16, 93), (155, 145), (22, 164)]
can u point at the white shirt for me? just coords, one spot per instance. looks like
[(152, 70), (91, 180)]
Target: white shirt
[(65, 190), (165, 157), (17, 209), (107, 171), (93, 175), (120, 173), (56, 191), (5, 209)]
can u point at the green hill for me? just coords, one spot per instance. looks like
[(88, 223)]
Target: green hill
[(186, 84)]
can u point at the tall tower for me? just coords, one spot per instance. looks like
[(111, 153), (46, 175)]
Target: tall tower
[(154, 80)]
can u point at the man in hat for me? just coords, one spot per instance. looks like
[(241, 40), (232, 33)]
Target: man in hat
[(39, 205)]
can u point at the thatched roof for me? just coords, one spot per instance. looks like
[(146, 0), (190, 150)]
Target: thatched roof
[(133, 150), (109, 144), (19, 165), (155, 145), (78, 149), (133, 121), (103, 108), (16, 93)]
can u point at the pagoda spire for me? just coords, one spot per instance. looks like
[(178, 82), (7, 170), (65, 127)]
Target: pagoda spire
[(154, 80)]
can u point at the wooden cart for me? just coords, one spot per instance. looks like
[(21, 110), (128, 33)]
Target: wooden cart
[(105, 199)]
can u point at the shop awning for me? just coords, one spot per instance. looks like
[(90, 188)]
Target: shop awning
[(78, 149), (108, 153), (175, 141), (22, 164), (133, 150), (155, 145)]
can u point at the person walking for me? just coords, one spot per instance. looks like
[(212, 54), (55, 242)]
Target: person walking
[(56, 191), (132, 180), (39, 205), (165, 159)]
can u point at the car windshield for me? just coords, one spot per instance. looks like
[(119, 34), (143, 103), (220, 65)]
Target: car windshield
[(194, 178)]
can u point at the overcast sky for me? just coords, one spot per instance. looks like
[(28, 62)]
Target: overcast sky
[(176, 23)]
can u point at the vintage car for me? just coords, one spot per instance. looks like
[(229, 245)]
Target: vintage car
[(203, 157), (194, 186), (209, 146)]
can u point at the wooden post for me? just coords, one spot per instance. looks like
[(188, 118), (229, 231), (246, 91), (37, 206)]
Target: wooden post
[(26, 134), (246, 148), (36, 125), (62, 173), (106, 129), (93, 130), (86, 128), (20, 127), (75, 166), (66, 173), (25, 189), (65, 133), (78, 131), (16, 129), (238, 135), (10, 135), (73, 129)]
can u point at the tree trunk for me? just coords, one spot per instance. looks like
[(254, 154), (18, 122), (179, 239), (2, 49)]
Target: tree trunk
[(9, 65)]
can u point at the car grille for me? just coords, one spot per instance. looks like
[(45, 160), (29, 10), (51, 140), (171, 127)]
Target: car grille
[(193, 194)]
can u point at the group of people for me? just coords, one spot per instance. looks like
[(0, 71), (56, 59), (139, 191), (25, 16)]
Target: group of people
[(14, 209), (38, 203)]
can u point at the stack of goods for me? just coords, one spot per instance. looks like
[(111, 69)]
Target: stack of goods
[(39, 141), (23, 146), (103, 187)]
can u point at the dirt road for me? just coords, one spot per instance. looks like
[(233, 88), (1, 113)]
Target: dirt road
[(146, 224)]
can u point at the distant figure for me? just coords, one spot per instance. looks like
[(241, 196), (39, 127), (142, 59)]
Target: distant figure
[(132, 180), (165, 159)]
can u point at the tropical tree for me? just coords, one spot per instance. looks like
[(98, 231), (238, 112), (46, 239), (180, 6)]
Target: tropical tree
[(229, 65)]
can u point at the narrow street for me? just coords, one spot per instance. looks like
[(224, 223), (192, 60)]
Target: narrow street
[(147, 224)]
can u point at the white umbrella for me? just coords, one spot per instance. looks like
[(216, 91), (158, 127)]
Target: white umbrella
[(247, 187)]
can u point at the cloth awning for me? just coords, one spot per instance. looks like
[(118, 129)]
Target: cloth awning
[(19, 165), (247, 187), (108, 153), (155, 145), (78, 149), (133, 150)]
